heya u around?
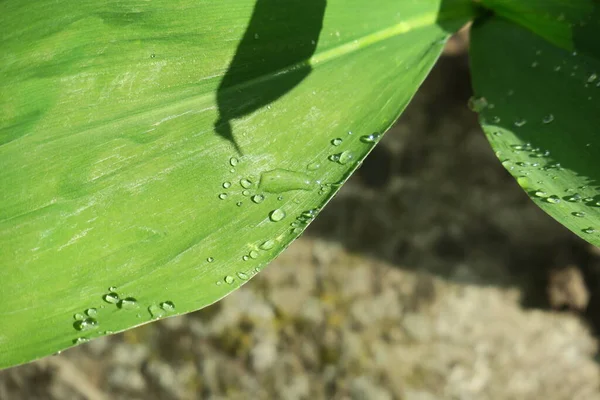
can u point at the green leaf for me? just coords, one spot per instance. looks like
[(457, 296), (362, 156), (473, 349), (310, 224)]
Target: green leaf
[(540, 109), (568, 24), (155, 155)]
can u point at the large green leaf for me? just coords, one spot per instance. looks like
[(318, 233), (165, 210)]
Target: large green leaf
[(128, 161), (540, 109)]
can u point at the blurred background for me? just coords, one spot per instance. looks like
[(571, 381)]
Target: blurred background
[(431, 275)]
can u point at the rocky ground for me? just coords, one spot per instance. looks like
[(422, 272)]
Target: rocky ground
[(430, 276)]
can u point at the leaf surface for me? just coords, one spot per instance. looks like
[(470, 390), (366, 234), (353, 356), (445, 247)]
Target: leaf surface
[(154, 156), (539, 106)]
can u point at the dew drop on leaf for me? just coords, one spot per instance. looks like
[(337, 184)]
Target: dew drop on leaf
[(589, 230), (520, 122), (267, 245), (336, 141), (91, 312), (253, 254), (282, 180), (210, 259), (155, 311), (226, 185), (223, 196), (127, 303), (86, 324), (111, 298), (277, 215), (80, 340), (233, 161), (229, 279), (372, 138), (579, 214), (553, 199), (548, 118), (242, 275), (168, 306), (245, 183), (345, 157), (258, 198), (313, 166)]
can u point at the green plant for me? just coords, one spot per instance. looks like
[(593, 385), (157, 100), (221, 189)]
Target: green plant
[(156, 155)]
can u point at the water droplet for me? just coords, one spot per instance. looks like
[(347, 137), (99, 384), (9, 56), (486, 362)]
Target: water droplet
[(258, 198), (372, 138), (308, 215), (277, 215), (127, 303), (80, 340), (540, 193), (282, 180), (210, 259), (253, 254), (477, 104), (313, 166), (267, 245), (233, 161), (226, 185), (336, 141), (574, 198), (246, 192), (112, 289), (296, 231), (496, 120), (280, 198), (345, 157), (78, 316), (111, 298), (168, 306), (579, 214), (520, 122), (592, 78), (553, 199), (223, 196), (91, 312), (85, 324), (245, 258), (242, 276), (245, 183), (534, 64), (239, 204), (156, 311), (589, 230), (548, 118), (256, 36), (229, 279)]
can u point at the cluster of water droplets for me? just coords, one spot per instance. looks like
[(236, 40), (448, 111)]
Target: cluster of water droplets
[(159, 310)]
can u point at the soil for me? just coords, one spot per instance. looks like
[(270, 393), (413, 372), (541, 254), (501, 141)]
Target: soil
[(431, 275)]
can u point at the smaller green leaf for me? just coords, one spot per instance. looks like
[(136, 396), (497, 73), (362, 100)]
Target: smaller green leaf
[(568, 24), (539, 106)]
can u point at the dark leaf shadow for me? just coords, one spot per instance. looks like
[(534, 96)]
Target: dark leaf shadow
[(281, 37)]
